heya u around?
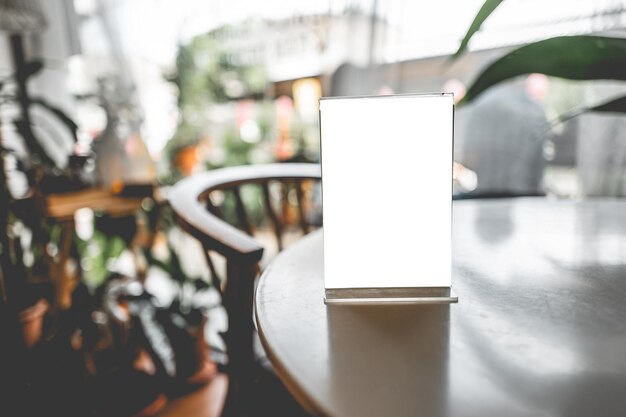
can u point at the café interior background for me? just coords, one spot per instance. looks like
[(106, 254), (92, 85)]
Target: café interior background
[(192, 85), (106, 104)]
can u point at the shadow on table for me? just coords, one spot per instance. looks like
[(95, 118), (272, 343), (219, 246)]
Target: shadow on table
[(389, 360)]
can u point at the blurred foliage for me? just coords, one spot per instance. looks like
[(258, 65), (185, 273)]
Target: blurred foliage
[(96, 253), (581, 57), (236, 151), (187, 286), (617, 105), (207, 75), (485, 11), (562, 96)]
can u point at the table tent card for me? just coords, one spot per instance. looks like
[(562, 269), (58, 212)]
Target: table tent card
[(387, 198)]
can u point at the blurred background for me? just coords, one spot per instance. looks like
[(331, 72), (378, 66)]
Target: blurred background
[(106, 104), (194, 85)]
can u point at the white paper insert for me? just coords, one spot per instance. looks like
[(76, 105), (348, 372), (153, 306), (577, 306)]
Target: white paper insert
[(387, 190)]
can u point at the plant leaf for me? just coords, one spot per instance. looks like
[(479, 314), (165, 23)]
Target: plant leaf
[(60, 114), (617, 105), (153, 261), (581, 57), (201, 285), (178, 274), (32, 143), (33, 67), (488, 7)]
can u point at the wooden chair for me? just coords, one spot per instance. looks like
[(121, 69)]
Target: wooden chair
[(200, 204)]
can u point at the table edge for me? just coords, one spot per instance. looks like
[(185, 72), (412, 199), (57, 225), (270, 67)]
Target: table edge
[(293, 386)]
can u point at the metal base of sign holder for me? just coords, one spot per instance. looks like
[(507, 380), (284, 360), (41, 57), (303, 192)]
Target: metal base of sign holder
[(423, 295)]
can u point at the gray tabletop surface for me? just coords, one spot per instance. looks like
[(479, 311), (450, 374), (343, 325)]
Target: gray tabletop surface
[(539, 330)]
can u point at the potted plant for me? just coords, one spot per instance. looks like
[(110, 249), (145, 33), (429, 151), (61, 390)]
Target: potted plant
[(183, 324), (21, 299), (42, 366), (166, 341), (24, 231)]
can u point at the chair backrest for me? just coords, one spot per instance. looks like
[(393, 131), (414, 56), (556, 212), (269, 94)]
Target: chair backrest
[(211, 206)]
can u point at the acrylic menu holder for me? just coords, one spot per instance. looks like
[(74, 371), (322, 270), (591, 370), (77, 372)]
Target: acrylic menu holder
[(387, 198)]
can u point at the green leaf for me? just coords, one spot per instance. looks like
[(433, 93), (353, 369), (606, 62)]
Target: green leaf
[(488, 7), (32, 68), (176, 268), (60, 114), (201, 285), (573, 57), (153, 261), (617, 105)]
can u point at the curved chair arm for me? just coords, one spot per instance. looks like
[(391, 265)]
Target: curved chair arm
[(185, 199), (191, 206)]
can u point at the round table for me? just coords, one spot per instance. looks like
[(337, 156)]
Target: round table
[(539, 330)]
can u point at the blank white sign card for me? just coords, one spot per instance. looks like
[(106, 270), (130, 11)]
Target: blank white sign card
[(387, 198)]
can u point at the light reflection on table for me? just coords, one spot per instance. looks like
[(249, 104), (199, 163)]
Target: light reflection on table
[(539, 328)]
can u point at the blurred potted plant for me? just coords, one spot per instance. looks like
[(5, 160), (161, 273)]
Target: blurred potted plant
[(206, 78), (25, 232), (168, 342), (43, 360), (21, 227), (23, 208), (40, 363), (183, 323), (48, 133)]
